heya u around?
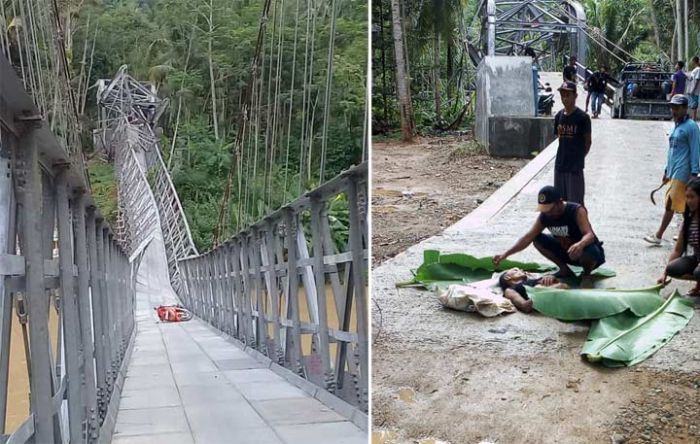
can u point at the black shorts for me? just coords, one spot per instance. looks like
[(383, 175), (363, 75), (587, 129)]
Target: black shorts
[(593, 251), (571, 185)]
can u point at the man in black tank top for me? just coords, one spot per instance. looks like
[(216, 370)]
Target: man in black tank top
[(571, 240)]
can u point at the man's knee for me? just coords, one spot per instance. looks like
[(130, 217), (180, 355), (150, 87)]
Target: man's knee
[(541, 242), (676, 270), (696, 274), (593, 257)]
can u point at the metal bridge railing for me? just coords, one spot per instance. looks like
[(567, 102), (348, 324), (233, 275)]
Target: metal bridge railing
[(55, 246), (305, 311)]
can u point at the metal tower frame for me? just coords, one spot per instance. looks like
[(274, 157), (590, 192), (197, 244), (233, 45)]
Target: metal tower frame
[(549, 27)]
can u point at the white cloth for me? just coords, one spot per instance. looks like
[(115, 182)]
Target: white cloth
[(482, 297)]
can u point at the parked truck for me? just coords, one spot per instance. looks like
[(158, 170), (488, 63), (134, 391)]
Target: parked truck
[(642, 92)]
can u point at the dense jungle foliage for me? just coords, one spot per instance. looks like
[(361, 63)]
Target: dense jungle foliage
[(199, 54), (439, 72)]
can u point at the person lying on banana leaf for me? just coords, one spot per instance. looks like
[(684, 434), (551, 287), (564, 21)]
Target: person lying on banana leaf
[(571, 240), (513, 283)]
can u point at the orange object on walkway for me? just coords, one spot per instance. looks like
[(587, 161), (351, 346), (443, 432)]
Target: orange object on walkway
[(173, 313)]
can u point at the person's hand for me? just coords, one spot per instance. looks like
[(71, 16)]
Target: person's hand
[(548, 280), (575, 251), (497, 259), (662, 279)]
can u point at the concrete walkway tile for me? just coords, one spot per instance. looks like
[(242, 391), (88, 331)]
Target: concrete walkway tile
[(252, 375), (155, 342), (151, 421), (166, 438), (238, 364), (190, 356), (223, 351), (188, 378), (332, 432), (160, 359), (206, 394), (152, 397), (296, 411), (149, 348), (225, 418), (248, 436), (193, 366), (261, 391), (142, 382), (150, 370)]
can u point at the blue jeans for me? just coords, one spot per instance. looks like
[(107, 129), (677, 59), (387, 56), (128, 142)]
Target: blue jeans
[(597, 102)]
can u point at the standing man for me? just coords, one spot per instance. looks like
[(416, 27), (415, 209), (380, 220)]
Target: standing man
[(573, 127), (571, 240), (678, 85), (682, 163), (597, 83), (694, 86), (570, 70)]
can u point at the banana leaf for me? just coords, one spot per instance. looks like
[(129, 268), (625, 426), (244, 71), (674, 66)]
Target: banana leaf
[(439, 270), (579, 304), (626, 340)]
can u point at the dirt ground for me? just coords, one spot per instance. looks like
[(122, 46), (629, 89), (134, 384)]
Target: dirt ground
[(540, 398), (433, 391), (422, 188)]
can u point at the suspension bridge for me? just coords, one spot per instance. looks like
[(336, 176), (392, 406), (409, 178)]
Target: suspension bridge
[(276, 351)]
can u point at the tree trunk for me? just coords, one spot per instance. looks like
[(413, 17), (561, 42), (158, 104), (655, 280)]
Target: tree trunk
[(674, 57), (655, 24), (385, 99), (679, 29), (211, 71), (436, 77), (404, 93)]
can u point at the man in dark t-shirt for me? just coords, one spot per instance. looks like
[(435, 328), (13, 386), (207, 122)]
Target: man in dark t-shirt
[(571, 239), (573, 128), (570, 70), (679, 78), (597, 83)]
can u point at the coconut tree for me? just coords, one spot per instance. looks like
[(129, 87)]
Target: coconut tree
[(404, 92), (438, 20)]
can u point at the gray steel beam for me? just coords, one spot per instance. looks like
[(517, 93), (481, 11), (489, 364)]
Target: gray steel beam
[(29, 196), (69, 308), (86, 330), (8, 238)]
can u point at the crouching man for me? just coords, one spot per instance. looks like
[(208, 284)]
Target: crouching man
[(571, 240)]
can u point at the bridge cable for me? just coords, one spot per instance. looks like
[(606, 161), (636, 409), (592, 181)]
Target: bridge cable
[(327, 98), (291, 99)]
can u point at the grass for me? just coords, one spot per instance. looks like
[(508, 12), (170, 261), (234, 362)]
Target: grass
[(104, 188), (467, 149)]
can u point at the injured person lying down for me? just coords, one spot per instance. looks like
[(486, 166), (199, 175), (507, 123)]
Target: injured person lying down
[(513, 283)]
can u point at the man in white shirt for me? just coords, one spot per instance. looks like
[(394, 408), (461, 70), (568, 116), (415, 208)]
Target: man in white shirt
[(694, 87)]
